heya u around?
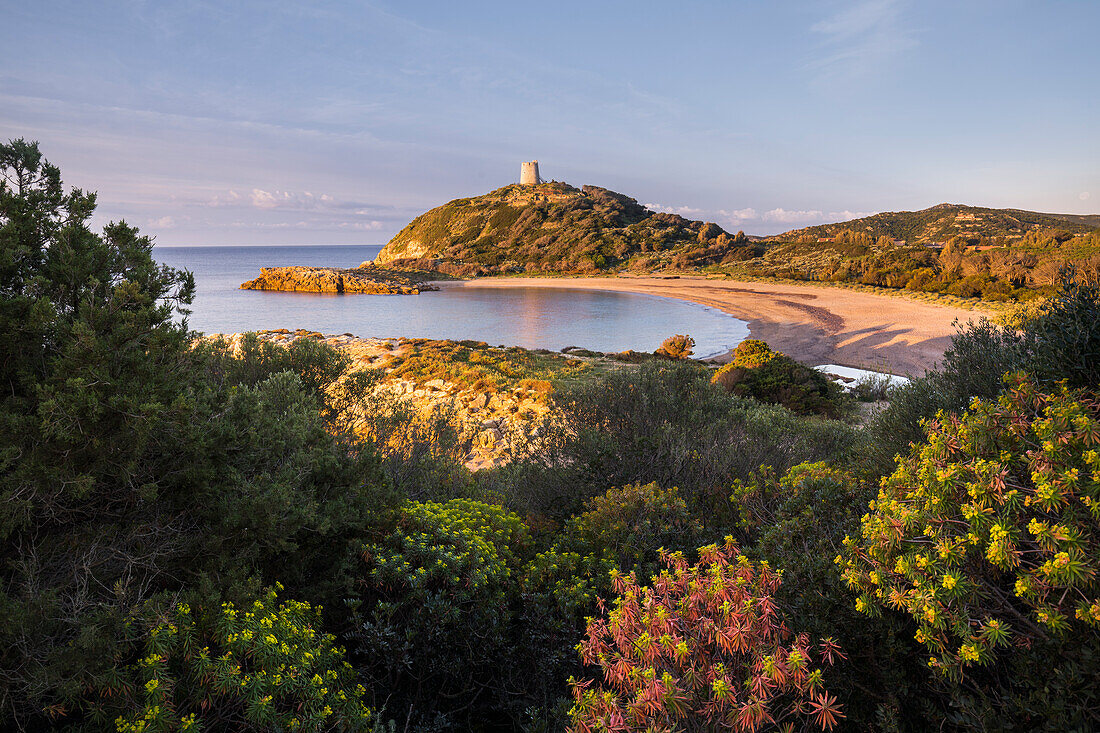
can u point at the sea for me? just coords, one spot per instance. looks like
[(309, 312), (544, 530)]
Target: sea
[(531, 317)]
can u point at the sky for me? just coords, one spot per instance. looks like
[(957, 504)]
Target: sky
[(213, 122)]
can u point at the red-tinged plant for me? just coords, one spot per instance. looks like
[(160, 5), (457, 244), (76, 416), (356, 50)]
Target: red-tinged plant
[(703, 648), (988, 533)]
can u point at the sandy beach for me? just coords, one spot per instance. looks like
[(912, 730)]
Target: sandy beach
[(815, 325)]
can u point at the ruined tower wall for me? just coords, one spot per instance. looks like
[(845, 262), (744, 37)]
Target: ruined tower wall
[(529, 173)]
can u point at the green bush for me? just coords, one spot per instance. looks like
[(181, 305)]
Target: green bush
[(986, 536), (629, 525), (663, 423), (434, 609), (771, 377), (1063, 340), (266, 666)]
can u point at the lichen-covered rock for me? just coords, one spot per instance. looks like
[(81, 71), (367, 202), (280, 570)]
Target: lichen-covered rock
[(363, 280)]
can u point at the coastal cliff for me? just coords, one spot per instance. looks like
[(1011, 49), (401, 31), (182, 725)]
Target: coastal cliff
[(365, 279)]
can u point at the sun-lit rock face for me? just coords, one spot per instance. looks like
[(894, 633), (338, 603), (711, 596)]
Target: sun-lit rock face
[(365, 280)]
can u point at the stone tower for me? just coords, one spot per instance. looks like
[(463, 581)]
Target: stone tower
[(529, 173)]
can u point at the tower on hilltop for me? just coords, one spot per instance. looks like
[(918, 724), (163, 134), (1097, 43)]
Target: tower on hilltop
[(529, 173)]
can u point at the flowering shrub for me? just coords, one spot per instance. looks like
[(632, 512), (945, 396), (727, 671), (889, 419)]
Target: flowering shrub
[(434, 610), (462, 546), (987, 533), (703, 648), (752, 353), (258, 669)]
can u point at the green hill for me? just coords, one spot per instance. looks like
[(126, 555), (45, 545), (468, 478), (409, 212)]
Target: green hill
[(554, 227), (944, 221)]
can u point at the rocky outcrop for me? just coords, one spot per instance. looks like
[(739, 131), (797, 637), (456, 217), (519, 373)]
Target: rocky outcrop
[(367, 280), (493, 425)]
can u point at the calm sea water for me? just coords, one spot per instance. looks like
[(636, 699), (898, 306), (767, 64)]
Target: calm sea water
[(523, 316)]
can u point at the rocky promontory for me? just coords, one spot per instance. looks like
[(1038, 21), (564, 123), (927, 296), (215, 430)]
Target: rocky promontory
[(556, 228), (366, 279)]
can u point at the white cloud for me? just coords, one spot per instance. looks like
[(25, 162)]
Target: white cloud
[(738, 214), (164, 222), (783, 216), (845, 215), (682, 210), (287, 200), (366, 226), (1084, 196)]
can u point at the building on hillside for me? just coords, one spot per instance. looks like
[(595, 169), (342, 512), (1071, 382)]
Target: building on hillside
[(529, 173)]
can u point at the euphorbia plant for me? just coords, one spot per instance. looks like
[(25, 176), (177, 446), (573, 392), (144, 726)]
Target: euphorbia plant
[(987, 533), (702, 648)]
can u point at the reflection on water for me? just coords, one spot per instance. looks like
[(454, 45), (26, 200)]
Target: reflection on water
[(530, 317)]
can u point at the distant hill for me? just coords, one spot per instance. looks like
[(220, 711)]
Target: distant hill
[(554, 227), (944, 221)]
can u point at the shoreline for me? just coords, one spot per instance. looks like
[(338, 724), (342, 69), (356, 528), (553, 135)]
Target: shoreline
[(813, 325)]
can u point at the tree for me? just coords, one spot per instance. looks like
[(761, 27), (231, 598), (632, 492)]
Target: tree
[(131, 463), (676, 347)]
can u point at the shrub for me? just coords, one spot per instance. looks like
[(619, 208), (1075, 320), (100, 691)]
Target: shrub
[(989, 528), (629, 525), (433, 614), (986, 535), (780, 380), (676, 347), (752, 353), (872, 388), (1063, 340), (663, 423), (703, 648), (260, 668)]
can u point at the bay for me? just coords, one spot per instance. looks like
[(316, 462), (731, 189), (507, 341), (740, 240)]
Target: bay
[(530, 317)]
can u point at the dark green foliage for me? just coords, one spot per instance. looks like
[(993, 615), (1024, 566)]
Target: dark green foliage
[(628, 526), (783, 381), (1063, 341), (131, 464), (459, 623), (797, 522), (663, 422)]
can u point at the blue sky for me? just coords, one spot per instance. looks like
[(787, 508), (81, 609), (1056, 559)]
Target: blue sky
[(337, 122)]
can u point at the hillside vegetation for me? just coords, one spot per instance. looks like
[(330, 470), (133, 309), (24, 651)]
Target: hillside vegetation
[(554, 227), (939, 223)]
